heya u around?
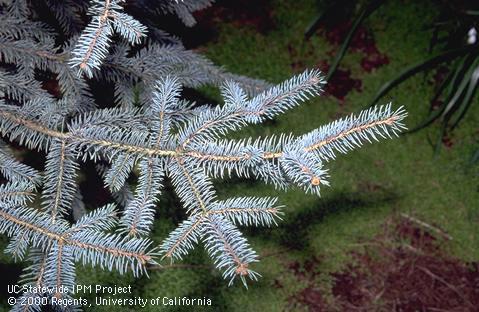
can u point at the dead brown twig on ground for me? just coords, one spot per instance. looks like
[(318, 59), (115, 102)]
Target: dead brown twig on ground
[(427, 226)]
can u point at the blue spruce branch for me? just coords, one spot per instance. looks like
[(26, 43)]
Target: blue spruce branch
[(153, 133)]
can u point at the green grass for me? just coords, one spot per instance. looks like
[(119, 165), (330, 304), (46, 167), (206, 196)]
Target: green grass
[(368, 186)]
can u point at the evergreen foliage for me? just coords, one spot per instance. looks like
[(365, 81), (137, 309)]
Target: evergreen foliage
[(153, 133)]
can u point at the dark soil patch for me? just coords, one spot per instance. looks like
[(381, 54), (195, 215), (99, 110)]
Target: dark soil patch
[(404, 269), (335, 29), (340, 83), (362, 42), (257, 14)]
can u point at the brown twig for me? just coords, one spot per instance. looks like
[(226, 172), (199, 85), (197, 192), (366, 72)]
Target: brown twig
[(426, 225)]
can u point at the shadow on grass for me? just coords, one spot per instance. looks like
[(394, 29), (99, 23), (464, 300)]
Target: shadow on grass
[(293, 231)]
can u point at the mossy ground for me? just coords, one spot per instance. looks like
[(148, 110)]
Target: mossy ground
[(368, 185)]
